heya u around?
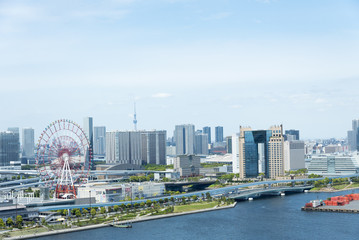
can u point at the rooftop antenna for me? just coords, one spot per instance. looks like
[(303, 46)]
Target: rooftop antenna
[(134, 117)]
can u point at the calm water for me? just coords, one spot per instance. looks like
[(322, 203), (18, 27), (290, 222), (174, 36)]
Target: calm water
[(269, 218)]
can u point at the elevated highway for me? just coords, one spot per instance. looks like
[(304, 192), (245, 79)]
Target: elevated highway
[(229, 191), (178, 186)]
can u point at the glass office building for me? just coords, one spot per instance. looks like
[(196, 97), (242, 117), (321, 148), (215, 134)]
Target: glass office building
[(261, 151)]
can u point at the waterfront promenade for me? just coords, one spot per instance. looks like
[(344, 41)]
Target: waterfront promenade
[(138, 219)]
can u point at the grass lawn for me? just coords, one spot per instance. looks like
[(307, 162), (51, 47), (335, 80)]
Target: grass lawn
[(340, 186), (27, 231), (354, 185), (194, 206)]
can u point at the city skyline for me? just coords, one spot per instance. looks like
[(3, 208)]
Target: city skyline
[(257, 63)]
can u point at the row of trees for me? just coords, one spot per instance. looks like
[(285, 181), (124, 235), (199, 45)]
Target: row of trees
[(147, 178), (10, 222), (102, 210), (334, 181)]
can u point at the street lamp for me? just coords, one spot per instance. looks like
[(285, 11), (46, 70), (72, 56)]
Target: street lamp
[(90, 202), (15, 206)]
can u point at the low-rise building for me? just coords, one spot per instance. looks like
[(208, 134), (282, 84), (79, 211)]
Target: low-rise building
[(104, 192), (187, 165), (169, 174), (9, 210), (333, 165)]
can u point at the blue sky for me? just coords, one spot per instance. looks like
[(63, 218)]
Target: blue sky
[(232, 62)]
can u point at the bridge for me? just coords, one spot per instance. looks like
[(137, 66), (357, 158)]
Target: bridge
[(273, 191)]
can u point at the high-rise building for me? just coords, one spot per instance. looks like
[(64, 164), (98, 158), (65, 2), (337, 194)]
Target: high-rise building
[(154, 147), (112, 147), (219, 134), (185, 137), (229, 144), (28, 142), (235, 153), (201, 143), (88, 129), (353, 136), (261, 151), (14, 130), (207, 130), (136, 147), (291, 135), (99, 143), (9, 148), (294, 157)]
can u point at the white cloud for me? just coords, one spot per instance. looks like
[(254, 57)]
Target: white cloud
[(162, 95)]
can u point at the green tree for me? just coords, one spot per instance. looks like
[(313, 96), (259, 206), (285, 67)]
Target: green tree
[(37, 193), (166, 200), (78, 213), (19, 220), (136, 205), (208, 196), (64, 212), (148, 203), (134, 179), (142, 204), (73, 211), (184, 200), (2, 224), (161, 201), (116, 207), (129, 205), (165, 179), (85, 212), (109, 209), (103, 210), (123, 206), (172, 199), (93, 212), (9, 222), (194, 197)]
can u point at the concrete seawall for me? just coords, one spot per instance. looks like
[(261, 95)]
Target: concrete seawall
[(140, 219)]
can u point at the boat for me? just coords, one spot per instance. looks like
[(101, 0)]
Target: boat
[(126, 225)]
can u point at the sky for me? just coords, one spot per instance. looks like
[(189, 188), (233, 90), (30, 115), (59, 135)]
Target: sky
[(232, 63)]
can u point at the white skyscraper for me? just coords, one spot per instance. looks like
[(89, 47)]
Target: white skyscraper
[(112, 147), (294, 158), (28, 142), (99, 145), (136, 147), (235, 153)]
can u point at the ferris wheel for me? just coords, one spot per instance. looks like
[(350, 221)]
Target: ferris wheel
[(63, 157)]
